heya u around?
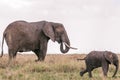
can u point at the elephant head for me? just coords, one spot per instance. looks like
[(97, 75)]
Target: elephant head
[(112, 58), (57, 32)]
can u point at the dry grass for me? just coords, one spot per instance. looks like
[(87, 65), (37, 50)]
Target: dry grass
[(55, 67)]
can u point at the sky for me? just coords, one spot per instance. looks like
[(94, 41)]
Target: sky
[(90, 24)]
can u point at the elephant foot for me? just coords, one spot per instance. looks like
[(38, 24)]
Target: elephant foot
[(39, 60), (81, 74)]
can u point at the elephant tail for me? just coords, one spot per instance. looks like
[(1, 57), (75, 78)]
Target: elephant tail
[(81, 59), (2, 45)]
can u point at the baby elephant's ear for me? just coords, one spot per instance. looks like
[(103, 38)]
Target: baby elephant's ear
[(49, 31), (109, 56)]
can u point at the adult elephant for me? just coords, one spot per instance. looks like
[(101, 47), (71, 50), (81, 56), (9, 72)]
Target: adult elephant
[(22, 36), (102, 59)]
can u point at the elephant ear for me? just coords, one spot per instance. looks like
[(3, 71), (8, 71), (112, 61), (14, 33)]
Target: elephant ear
[(49, 31), (109, 57)]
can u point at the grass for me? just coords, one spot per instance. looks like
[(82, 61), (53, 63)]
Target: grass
[(55, 67)]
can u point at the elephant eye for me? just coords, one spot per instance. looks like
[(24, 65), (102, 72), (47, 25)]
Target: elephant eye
[(57, 34)]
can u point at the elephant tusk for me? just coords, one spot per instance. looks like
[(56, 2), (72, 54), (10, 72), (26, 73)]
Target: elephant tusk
[(69, 46)]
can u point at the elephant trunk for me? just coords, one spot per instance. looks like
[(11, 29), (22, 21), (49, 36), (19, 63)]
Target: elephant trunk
[(64, 39), (117, 66), (65, 42), (66, 47)]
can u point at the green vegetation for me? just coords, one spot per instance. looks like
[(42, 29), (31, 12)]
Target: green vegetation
[(55, 67)]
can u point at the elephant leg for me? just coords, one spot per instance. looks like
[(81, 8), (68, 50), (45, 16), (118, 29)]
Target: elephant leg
[(90, 69), (43, 50), (37, 52), (12, 55), (83, 72), (105, 67), (41, 53), (90, 73)]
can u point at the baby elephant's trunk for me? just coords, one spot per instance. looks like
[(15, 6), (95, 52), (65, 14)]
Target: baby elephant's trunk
[(117, 66)]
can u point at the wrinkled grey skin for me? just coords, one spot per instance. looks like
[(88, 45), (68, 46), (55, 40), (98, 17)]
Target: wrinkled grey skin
[(22, 36), (102, 59)]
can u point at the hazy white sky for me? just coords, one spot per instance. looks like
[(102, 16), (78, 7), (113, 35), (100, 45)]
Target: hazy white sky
[(90, 24)]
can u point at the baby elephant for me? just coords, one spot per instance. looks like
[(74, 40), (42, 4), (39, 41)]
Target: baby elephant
[(102, 59)]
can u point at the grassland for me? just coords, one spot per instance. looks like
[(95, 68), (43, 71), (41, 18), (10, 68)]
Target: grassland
[(55, 67)]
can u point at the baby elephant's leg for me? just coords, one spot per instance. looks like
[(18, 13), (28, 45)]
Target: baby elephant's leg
[(90, 73), (105, 67), (83, 72)]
